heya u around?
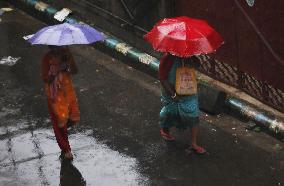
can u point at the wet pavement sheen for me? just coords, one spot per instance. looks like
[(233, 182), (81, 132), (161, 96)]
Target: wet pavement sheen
[(117, 142), (33, 160)]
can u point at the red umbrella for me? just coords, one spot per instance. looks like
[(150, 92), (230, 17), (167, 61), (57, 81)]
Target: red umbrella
[(184, 37)]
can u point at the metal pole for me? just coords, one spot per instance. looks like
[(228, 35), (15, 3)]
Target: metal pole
[(115, 16), (272, 124), (127, 10)]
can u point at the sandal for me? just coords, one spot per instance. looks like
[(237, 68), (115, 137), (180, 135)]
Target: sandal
[(166, 135), (198, 150)]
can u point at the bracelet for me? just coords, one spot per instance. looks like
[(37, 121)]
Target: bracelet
[(174, 96)]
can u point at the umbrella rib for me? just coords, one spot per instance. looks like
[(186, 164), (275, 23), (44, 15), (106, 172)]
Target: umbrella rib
[(81, 31), (73, 38), (203, 37), (170, 33), (86, 30), (98, 35), (95, 33), (60, 37), (71, 33), (195, 30), (34, 37), (46, 41)]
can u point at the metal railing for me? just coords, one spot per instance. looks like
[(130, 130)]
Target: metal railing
[(245, 82)]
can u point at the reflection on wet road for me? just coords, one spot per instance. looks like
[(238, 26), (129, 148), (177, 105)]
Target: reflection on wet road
[(32, 159), (70, 175)]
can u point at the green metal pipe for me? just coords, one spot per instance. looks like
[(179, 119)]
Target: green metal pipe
[(274, 125)]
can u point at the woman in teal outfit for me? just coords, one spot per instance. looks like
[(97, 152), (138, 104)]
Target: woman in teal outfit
[(180, 111)]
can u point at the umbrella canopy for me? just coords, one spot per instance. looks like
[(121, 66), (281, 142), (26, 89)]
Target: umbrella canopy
[(184, 37), (66, 34)]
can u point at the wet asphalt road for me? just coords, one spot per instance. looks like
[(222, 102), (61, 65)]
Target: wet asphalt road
[(117, 141)]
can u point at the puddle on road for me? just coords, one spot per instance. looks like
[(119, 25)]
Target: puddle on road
[(8, 111), (32, 159)]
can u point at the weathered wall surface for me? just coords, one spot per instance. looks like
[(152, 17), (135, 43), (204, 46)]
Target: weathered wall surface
[(252, 30)]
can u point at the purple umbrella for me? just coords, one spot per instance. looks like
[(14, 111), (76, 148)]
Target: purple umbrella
[(66, 34)]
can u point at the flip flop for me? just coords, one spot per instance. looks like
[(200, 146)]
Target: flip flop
[(166, 135), (198, 150)]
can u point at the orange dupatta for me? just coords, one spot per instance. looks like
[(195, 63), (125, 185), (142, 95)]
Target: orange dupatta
[(63, 102)]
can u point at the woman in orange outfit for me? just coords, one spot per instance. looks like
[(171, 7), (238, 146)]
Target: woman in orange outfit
[(57, 67)]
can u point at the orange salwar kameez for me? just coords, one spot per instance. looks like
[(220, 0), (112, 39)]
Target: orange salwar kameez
[(61, 96)]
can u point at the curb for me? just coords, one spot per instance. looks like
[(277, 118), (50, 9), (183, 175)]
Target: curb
[(272, 123)]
